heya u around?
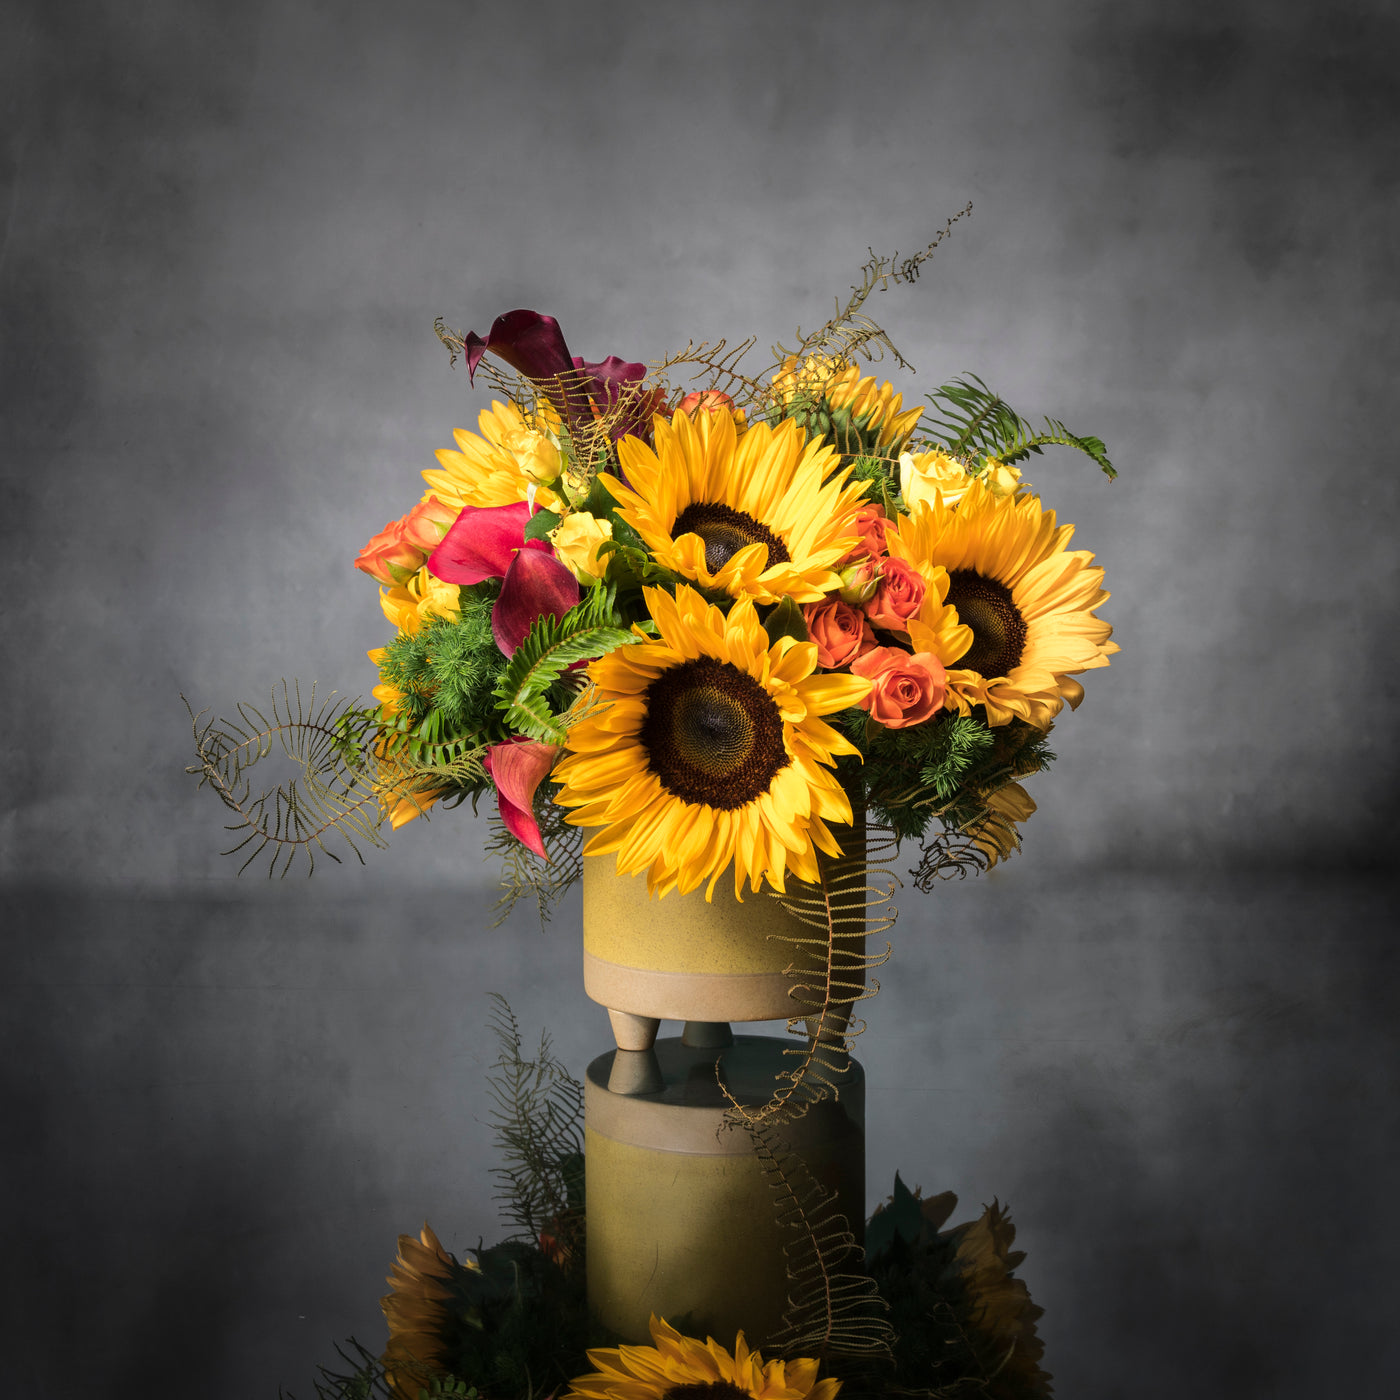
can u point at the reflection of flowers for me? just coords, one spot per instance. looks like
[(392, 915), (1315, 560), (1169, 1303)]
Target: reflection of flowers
[(963, 1320), (683, 1368), (424, 1281)]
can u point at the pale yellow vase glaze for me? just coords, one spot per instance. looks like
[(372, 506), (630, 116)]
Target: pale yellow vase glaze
[(682, 957), (681, 1219)]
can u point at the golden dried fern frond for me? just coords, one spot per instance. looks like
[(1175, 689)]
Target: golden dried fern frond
[(834, 1307), (339, 792), (831, 971)]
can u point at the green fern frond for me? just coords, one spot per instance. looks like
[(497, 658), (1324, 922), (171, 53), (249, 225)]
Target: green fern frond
[(538, 1125), (972, 421), (553, 645)]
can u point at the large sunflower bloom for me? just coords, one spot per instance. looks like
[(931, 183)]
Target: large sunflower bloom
[(746, 514), (682, 1368), (428, 1304), (833, 401), (498, 467), (1028, 601), (705, 746)]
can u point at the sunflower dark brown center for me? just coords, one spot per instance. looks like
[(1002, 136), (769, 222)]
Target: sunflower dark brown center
[(713, 734), (726, 531), (706, 1390), (998, 629)]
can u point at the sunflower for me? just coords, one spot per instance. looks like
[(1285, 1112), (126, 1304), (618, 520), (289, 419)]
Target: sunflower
[(498, 468), (746, 513), (998, 834), (682, 1368), (428, 1304), (834, 402), (1028, 601), (705, 746)]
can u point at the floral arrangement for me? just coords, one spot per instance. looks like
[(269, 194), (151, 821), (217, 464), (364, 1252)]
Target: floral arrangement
[(703, 624)]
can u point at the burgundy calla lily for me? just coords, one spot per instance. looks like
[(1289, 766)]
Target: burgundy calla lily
[(518, 768), (534, 346), (536, 583), (481, 543)]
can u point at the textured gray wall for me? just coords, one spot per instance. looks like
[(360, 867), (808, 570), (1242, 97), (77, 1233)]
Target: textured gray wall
[(1164, 1033)]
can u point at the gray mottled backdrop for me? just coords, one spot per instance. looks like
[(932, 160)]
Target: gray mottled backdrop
[(1164, 1034)]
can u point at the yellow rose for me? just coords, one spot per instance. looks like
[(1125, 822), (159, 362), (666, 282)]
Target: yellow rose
[(1000, 479), (536, 453), (408, 605), (923, 473), (576, 539)]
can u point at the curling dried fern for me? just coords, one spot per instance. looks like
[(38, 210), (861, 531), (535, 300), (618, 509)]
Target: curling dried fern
[(850, 332), (834, 1308), (831, 972), (338, 792)]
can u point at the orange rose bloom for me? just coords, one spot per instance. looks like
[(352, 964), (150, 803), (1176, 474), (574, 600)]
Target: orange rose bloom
[(839, 630), (870, 523), (402, 547), (899, 596), (908, 688)]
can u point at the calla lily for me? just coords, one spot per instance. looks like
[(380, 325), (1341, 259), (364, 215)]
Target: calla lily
[(482, 542), (518, 768), (536, 583), (534, 346), (489, 542)]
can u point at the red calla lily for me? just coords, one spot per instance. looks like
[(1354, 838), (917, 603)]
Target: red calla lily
[(518, 768), (489, 542), (536, 583), (481, 543)]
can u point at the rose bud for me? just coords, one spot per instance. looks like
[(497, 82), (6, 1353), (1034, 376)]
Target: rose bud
[(859, 582)]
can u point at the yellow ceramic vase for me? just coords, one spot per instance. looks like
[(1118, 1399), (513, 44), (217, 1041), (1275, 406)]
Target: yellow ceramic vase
[(681, 1219), (684, 958)]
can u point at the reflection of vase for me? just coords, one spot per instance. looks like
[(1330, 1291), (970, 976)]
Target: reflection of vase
[(685, 958), (681, 1216)]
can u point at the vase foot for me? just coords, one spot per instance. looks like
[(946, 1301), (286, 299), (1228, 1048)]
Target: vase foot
[(707, 1035), (633, 1032)]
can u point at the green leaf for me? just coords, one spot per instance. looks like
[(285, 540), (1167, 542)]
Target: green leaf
[(900, 1219), (785, 620), (540, 524)]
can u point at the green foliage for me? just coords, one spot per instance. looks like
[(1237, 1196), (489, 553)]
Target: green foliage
[(971, 421), (941, 769), (785, 620), (538, 1125), (554, 644), (448, 671), (523, 873)]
